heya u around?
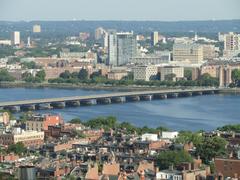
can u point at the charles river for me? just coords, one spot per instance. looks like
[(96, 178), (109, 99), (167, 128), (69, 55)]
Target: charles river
[(192, 113)]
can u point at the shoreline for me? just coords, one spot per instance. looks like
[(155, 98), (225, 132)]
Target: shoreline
[(81, 86), (99, 87)]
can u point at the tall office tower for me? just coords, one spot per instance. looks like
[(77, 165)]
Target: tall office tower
[(154, 38), (112, 49), (231, 41), (196, 37), (99, 32), (189, 53), (28, 42), (36, 28), (126, 47), (105, 39), (15, 38)]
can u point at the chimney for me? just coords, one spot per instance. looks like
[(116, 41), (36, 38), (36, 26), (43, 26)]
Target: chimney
[(233, 135), (157, 169), (171, 167), (189, 166), (231, 155)]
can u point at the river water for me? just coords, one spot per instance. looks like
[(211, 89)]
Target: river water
[(192, 113)]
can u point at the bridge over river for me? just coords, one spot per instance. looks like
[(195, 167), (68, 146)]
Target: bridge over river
[(119, 97)]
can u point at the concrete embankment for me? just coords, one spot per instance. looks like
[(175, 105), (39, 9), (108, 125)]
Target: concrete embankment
[(230, 91)]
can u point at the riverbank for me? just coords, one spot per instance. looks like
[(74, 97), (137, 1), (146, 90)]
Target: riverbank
[(230, 91), (101, 87), (81, 86)]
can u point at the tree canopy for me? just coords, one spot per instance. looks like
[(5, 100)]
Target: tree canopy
[(175, 158), (5, 76)]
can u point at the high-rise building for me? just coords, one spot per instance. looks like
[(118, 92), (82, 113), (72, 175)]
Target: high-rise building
[(121, 47), (188, 52), (99, 32), (112, 49), (36, 28), (126, 47), (15, 38), (231, 45), (231, 41), (154, 38)]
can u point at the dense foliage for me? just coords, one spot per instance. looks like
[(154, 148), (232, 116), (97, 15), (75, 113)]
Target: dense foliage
[(40, 77), (230, 128), (236, 77), (5, 76), (206, 147), (82, 77), (17, 148), (111, 122), (172, 158)]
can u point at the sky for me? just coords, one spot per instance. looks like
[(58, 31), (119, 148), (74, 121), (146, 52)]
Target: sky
[(161, 10)]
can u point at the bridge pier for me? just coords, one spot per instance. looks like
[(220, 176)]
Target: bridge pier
[(146, 97), (197, 93), (12, 108), (88, 102), (160, 96), (172, 95), (58, 105), (73, 103), (118, 99), (208, 92), (44, 106), (30, 107), (132, 98), (185, 94), (104, 101)]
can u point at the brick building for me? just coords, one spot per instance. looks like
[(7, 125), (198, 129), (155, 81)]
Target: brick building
[(42, 122)]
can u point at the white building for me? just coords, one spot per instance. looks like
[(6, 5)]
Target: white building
[(5, 42), (169, 135), (15, 38), (112, 49), (145, 72), (177, 71), (149, 137), (169, 175), (36, 28), (154, 38)]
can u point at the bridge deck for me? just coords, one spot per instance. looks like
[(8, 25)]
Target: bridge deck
[(88, 97)]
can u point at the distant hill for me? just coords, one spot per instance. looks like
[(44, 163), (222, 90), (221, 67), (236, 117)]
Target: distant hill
[(74, 27)]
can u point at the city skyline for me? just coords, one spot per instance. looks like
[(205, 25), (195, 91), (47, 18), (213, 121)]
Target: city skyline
[(173, 10)]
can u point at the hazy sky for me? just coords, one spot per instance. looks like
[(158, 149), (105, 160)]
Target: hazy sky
[(163, 10)]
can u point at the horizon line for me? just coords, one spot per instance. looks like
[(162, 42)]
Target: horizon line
[(92, 20)]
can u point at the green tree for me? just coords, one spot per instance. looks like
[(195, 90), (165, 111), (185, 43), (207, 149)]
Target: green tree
[(207, 80), (168, 158), (188, 136), (41, 75), (188, 74), (65, 75), (75, 121), (102, 122), (83, 74), (29, 65), (5, 76), (236, 77), (230, 128), (169, 77), (211, 147), (17, 148)]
